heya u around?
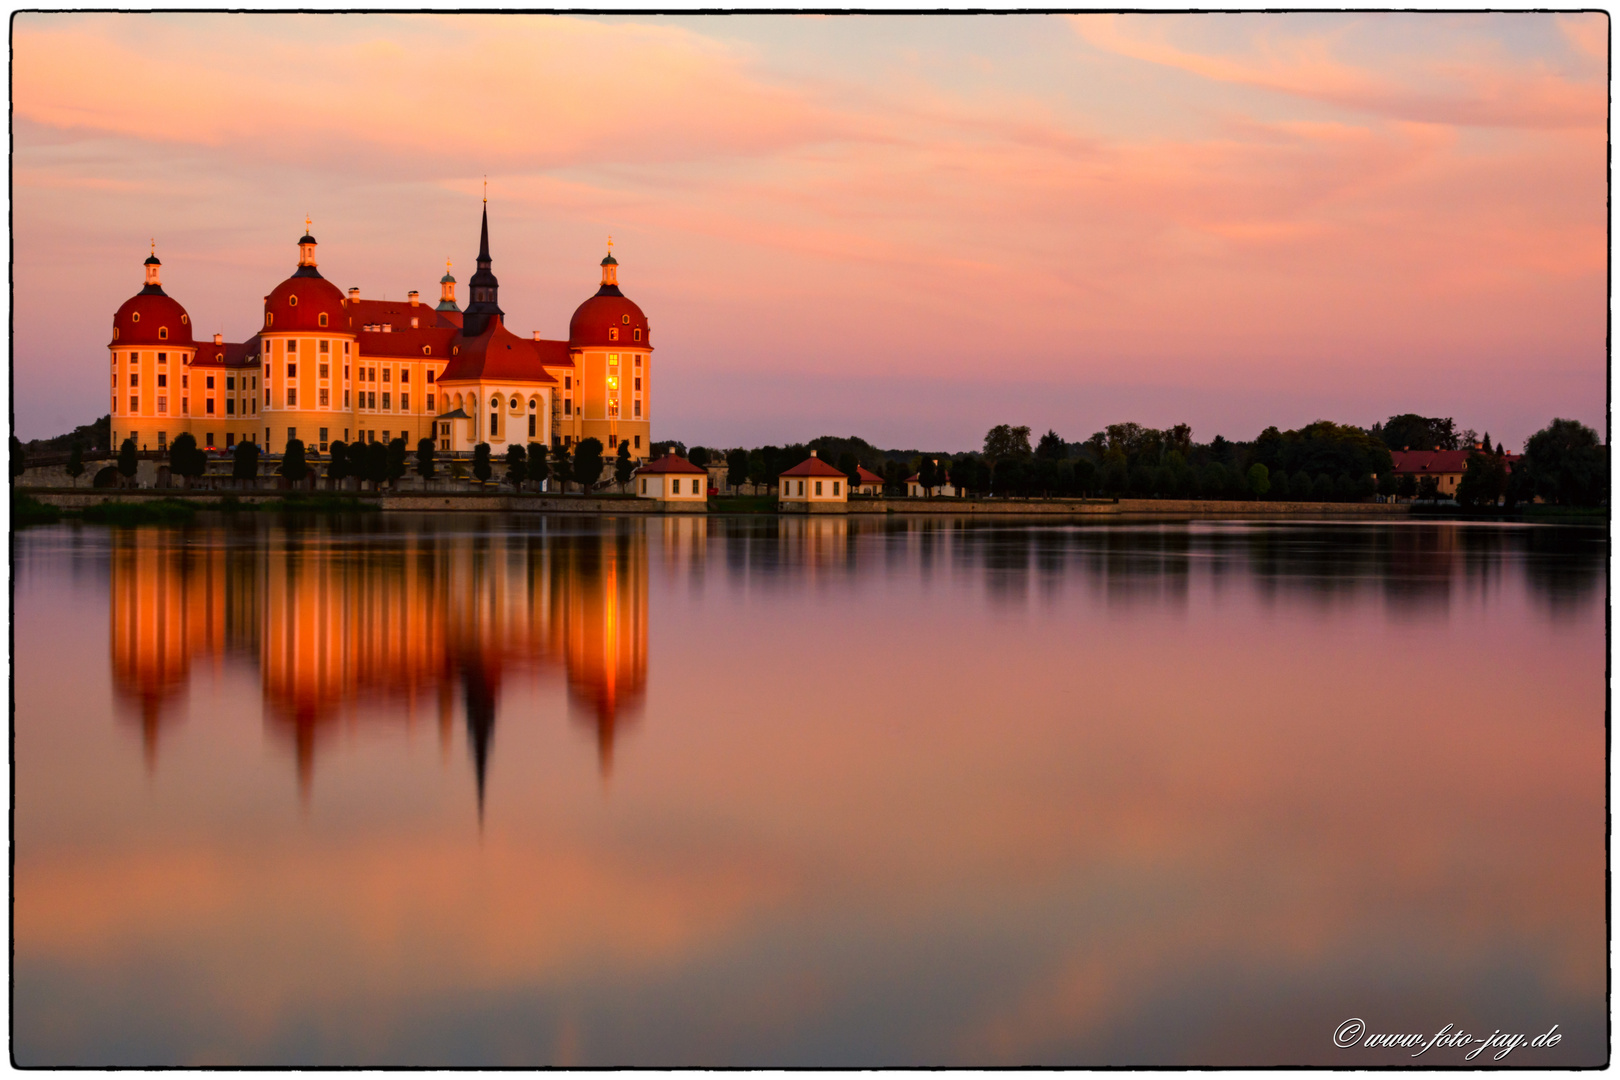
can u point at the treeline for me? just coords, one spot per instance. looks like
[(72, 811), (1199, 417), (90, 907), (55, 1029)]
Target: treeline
[(1321, 462)]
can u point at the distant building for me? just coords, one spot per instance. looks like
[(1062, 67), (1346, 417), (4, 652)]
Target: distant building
[(1446, 466), (672, 478), (870, 482), (814, 481), (914, 488)]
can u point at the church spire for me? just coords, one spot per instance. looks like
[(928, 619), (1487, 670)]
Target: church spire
[(483, 289)]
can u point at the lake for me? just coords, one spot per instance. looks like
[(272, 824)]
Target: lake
[(685, 791)]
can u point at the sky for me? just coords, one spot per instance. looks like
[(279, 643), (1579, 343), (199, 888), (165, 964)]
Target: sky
[(907, 228)]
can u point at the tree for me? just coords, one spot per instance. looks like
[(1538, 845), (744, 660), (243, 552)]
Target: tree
[(1005, 443), (1259, 480), (587, 463), (75, 465), (424, 458), (562, 465), (624, 466), (1085, 476), (1388, 483), (850, 466), (1279, 485), (1047, 477), (963, 474), (1406, 486), (480, 463), (698, 455), (1301, 486), (1052, 447), (1164, 481), (19, 460), (1484, 481), (539, 466), (517, 465), (1429, 487), (185, 459), (1565, 464), (244, 462), (1409, 431), (397, 458), (736, 468), (293, 466), (928, 475), (337, 461)]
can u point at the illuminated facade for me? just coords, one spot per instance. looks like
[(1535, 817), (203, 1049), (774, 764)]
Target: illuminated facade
[(327, 366)]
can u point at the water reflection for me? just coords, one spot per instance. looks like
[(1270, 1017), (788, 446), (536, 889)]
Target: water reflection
[(400, 622), (901, 791)]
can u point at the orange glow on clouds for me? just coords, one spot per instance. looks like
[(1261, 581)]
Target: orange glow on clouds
[(1064, 221)]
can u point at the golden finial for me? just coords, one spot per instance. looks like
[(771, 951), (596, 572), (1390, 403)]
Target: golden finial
[(307, 224), (486, 189), (447, 266), (154, 245), (610, 245)]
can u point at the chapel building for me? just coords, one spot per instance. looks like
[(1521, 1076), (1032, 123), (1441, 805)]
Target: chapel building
[(326, 366)]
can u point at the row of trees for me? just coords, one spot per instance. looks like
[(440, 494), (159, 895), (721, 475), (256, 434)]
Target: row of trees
[(380, 463), (1323, 461)]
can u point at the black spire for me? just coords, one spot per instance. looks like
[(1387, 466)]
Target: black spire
[(483, 289)]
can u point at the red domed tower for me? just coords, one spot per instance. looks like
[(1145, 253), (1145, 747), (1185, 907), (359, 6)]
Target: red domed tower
[(305, 350), (150, 349), (611, 346)]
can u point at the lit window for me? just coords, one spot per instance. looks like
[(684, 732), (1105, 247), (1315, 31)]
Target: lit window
[(613, 359), (613, 333), (613, 382)]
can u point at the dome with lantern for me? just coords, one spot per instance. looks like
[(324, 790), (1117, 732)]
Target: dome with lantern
[(306, 301), (609, 318), (151, 316)]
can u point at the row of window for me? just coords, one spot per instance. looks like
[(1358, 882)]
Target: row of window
[(162, 405), (788, 485), (675, 485)]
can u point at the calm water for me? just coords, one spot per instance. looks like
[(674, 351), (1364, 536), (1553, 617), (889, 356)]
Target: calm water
[(463, 790)]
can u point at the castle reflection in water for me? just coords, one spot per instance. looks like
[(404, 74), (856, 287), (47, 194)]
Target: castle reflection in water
[(338, 622)]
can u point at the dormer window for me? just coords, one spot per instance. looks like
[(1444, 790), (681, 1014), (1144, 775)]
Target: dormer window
[(270, 319), (184, 319), (134, 316), (292, 301), (613, 333), (115, 333), (625, 319), (163, 333), (427, 350), (323, 318), (637, 333)]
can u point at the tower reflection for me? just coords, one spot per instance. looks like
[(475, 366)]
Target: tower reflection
[(339, 622)]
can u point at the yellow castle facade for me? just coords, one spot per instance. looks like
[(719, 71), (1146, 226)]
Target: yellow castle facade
[(328, 366)]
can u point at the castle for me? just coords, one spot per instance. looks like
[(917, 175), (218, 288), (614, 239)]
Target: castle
[(326, 367)]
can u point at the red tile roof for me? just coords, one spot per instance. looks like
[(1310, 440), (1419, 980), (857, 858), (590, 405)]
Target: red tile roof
[(671, 463), (139, 319), (499, 354), (867, 476), (425, 343), (238, 354), (1431, 462), (812, 466)]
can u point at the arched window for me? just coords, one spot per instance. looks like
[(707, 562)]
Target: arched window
[(163, 333), (270, 318), (323, 318), (613, 333), (292, 301), (134, 316), (455, 350), (637, 333), (516, 404), (115, 333), (625, 319)]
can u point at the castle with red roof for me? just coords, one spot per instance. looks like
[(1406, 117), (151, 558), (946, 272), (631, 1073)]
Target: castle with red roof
[(326, 367)]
